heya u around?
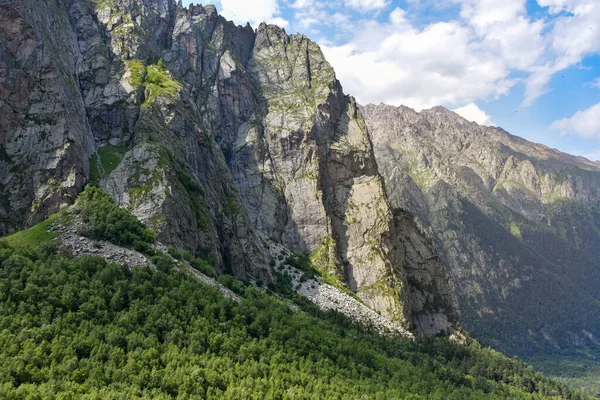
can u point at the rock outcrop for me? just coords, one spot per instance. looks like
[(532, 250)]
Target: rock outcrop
[(213, 135), (516, 224)]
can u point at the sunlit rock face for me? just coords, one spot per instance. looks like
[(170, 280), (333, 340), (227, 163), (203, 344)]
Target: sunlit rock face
[(214, 135)]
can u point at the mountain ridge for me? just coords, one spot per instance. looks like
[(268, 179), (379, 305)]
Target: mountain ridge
[(542, 148), (505, 215)]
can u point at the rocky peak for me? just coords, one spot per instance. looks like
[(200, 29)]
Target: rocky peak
[(218, 137)]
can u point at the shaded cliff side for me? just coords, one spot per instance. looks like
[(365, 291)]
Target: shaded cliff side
[(516, 224)]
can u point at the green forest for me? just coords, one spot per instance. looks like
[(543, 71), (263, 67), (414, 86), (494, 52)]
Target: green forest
[(563, 266), (83, 328), (579, 371)]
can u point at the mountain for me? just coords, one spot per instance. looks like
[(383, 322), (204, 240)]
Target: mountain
[(150, 152), (222, 139), (516, 225)]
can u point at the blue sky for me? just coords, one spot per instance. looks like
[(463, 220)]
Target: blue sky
[(529, 66)]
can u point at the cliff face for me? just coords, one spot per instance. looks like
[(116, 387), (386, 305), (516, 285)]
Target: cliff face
[(218, 137), (45, 137), (516, 224)]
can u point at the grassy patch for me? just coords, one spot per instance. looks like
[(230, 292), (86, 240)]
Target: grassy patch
[(387, 287), (159, 82), (104, 161), (322, 260), (95, 174), (33, 236), (311, 175), (423, 178), (137, 71), (110, 157), (515, 230)]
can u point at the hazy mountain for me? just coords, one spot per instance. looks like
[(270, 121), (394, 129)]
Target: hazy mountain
[(517, 224)]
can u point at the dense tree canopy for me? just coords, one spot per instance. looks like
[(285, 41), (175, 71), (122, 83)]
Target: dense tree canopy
[(85, 328), (103, 219)]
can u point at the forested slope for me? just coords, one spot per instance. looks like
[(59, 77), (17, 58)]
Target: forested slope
[(87, 329), (84, 328)]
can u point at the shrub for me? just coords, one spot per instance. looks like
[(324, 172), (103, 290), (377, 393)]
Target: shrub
[(202, 266), (159, 82), (103, 219)]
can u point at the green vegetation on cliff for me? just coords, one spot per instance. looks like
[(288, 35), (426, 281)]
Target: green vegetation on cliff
[(104, 161), (33, 236), (159, 82), (137, 71)]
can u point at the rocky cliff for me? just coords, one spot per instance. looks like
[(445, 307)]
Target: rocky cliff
[(516, 224), (221, 138)]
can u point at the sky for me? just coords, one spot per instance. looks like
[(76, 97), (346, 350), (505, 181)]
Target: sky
[(531, 67)]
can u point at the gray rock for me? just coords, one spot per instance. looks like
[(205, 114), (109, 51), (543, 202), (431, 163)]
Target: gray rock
[(212, 134), (45, 138), (514, 223)]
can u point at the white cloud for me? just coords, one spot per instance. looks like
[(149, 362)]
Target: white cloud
[(255, 12), (303, 3), (584, 123), (504, 28), (492, 46), (311, 16), (367, 5), (558, 6), (483, 13), (572, 36), (596, 83), (397, 63), (472, 112)]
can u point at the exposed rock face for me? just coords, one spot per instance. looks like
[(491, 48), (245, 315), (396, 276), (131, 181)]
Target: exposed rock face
[(77, 245), (328, 297), (516, 224), (45, 138), (212, 134)]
